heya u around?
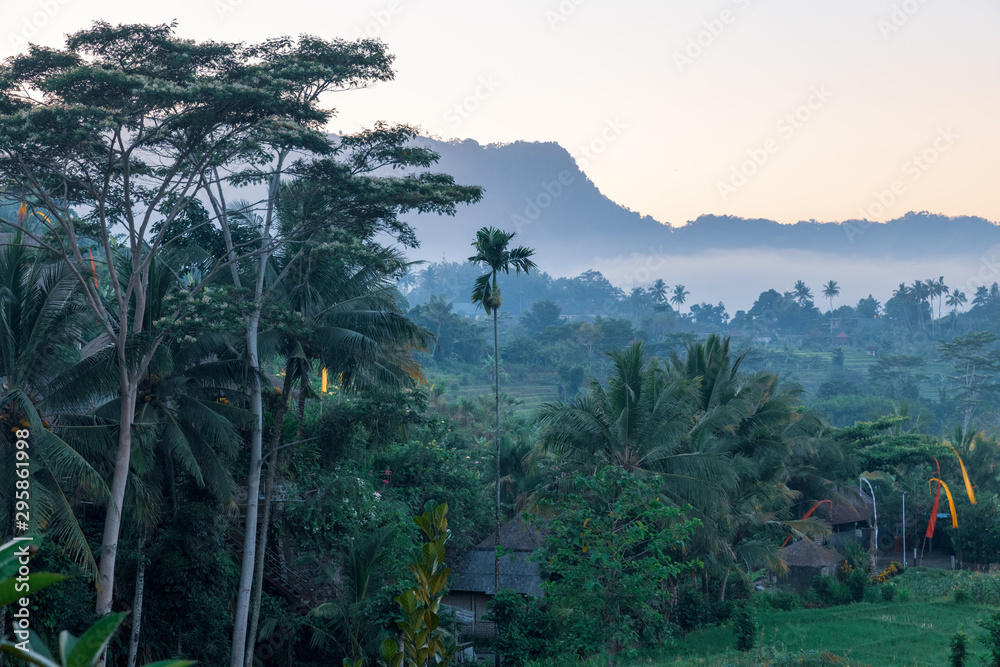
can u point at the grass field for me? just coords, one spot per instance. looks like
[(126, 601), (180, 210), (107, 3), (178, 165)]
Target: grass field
[(892, 633)]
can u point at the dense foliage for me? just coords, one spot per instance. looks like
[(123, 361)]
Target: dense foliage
[(236, 407)]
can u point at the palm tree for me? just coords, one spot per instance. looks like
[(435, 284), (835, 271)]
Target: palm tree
[(718, 440), (659, 291), (183, 420), (754, 423), (493, 253), (903, 294), (42, 317), (920, 293), (679, 297), (830, 290), (636, 298), (350, 320), (638, 422), (802, 293), (956, 299)]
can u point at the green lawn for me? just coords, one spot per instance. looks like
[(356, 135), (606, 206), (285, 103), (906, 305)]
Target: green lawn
[(893, 633)]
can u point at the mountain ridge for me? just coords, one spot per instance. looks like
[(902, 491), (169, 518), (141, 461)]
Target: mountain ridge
[(537, 190)]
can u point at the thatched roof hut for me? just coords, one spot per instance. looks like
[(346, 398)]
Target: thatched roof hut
[(475, 570), (807, 560), (473, 573)]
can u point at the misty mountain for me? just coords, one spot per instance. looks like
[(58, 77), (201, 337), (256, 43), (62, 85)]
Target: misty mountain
[(537, 190)]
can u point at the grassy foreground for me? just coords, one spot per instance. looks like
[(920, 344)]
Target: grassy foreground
[(891, 633)]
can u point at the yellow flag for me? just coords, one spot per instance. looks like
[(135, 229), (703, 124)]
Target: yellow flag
[(323, 387), (951, 502), (965, 476)]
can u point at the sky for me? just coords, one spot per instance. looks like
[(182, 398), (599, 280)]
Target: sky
[(782, 109)]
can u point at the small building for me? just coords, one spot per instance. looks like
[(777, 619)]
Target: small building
[(850, 518), (807, 560), (842, 339), (474, 573)]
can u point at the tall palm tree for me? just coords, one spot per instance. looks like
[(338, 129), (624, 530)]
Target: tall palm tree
[(956, 299), (754, 422), (920, 292), (493, 253), (830, 290), (938, 289), (679, 297)]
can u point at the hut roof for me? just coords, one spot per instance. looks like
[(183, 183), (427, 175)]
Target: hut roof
[(475, 569), (806, 553), (849, 507), (516, 535)]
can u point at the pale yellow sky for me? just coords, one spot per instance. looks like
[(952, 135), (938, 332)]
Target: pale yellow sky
[(782, 109)]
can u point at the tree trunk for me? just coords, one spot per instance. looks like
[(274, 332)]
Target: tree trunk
[(257, 408), (496, 438), (253, 491), (140, 583), (722, 588), (258, 582), (113, 516)]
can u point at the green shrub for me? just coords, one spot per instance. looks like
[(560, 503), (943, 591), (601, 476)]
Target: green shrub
[(977, 538), (720, 612), (524, 629), (904, 595), (962, 596), (829, 591), (992, 638), (872, 595), (744, 624), (888, 592), (780, 600), (689, 613), (855, 554), (857, 583), (959, 649)]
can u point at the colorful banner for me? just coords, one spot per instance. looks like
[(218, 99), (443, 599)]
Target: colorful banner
[(965, 476), (951, 501), (934, 510)]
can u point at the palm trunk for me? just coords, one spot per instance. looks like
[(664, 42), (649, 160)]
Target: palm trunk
[(496, 438), (140, 584), (258, 583)]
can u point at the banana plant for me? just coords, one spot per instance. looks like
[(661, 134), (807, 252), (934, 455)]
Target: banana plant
[(422, 641), (83, 651)]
